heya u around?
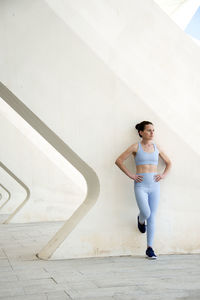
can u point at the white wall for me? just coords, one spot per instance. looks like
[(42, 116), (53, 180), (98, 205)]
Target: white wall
[(91, 89)]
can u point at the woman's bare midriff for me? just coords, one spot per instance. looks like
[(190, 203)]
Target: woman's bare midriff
[(146, 169)]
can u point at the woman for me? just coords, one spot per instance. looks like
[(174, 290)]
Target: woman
[(146, 179)]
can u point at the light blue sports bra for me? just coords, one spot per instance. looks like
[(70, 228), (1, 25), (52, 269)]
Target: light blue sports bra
[(146, 158)]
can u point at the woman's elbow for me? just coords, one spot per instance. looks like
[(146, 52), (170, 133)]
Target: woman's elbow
[(169, 163), (118, 161)]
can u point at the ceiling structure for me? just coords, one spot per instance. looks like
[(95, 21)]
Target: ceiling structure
[(186, 14)]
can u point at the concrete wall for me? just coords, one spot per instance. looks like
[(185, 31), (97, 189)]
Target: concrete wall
[(91, 83)]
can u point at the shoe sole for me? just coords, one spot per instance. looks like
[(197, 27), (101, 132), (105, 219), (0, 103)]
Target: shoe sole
[(152, 258)]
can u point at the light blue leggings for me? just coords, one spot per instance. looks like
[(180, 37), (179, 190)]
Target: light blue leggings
[(147, 194)]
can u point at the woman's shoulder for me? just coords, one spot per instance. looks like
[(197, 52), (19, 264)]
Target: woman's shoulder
[(159, 147), (135, 146)]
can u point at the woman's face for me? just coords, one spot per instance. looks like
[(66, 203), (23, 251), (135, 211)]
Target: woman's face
[(148, 132)]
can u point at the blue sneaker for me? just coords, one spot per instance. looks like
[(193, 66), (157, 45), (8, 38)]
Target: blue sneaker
[(141, 227), (150, 253)]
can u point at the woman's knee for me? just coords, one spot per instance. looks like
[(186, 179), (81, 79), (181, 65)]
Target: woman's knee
[(146, 214)]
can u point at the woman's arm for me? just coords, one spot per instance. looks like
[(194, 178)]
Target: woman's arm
[(166, 160), (119, 161)]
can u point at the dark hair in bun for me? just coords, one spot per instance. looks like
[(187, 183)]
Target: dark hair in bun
[(141, 126)]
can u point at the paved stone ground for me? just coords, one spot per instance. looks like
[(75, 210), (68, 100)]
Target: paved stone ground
[(24, 277)]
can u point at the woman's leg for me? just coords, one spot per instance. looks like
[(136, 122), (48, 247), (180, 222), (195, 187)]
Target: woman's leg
[(142, 201), (154, 197)]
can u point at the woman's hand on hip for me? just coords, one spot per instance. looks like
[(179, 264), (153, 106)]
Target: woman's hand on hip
[(158, 177), (137, 178)]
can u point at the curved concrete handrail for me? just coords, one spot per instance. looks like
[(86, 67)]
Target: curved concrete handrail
[(23, 185), (89, 174), (9, 196), (0, 196)]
